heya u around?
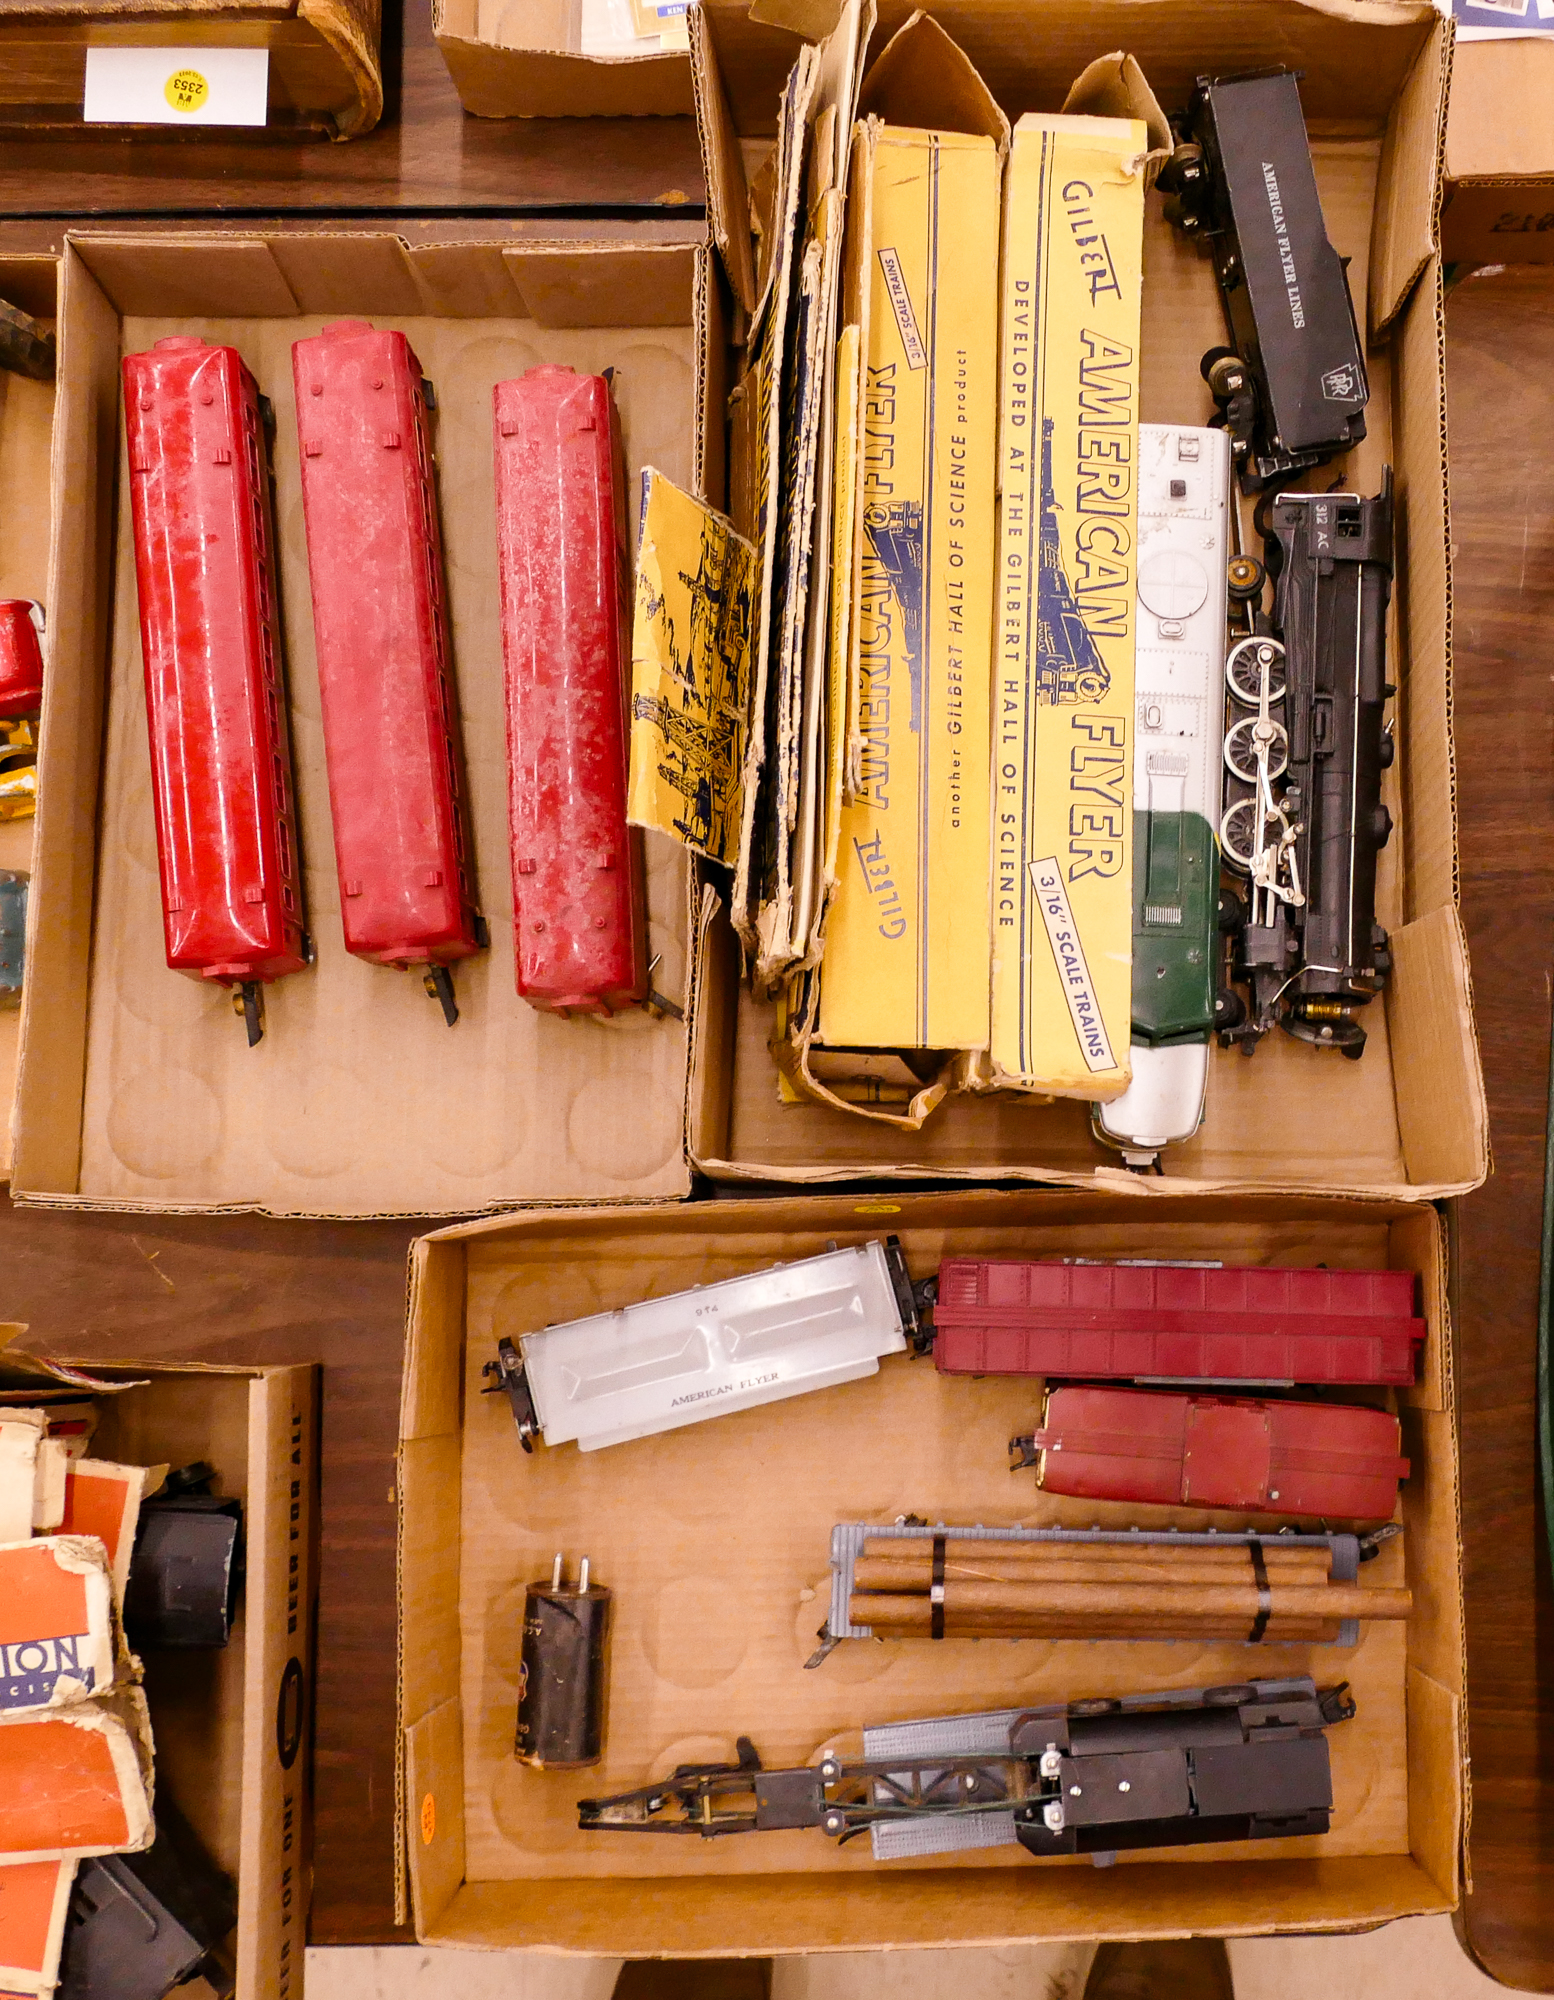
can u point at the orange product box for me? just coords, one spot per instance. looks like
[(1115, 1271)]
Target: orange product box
[(34, 1896), (76, 1782), (57, 1630)]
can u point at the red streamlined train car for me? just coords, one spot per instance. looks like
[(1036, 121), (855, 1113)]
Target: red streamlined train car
[(579, 928), (391, 723), (21, 658), (221, 781), (1307, 1460), (1175, 1322)]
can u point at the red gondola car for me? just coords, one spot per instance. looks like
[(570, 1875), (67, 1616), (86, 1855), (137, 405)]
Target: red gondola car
[(21, 658), (579, 928), (391, 719), (1220, 1323), (215, 687)]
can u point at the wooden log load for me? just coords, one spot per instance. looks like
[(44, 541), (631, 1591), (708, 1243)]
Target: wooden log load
[(1109, 1590)]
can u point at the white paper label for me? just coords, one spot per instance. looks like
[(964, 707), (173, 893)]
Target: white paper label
[(176, 86)]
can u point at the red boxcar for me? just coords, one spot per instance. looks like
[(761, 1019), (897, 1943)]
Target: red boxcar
[(1224, 1323), (391, 718), (215, 689), (579, 929), (1308, 1460), (21, 658)]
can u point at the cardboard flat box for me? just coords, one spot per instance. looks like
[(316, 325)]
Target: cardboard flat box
[(715, 1542), (325, 68), (1409, 1120), (526, 59), (26, 437), (232, 1728), (1499, 193), (1066, 621), (136, 1089), (907, 933)]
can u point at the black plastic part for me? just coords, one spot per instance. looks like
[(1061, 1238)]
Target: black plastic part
[(1243, 182), (562, 1680), (439, 983), (25, 349), (13, 935), (141, 1924), (512, 1382), (786, 1799), (186, 1572), (253, 1011), (197, 1477), (914, 1300)]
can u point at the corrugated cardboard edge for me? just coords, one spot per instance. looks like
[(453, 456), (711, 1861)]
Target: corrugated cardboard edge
[(722, 164), (281, 1533), (1405, 231), (428, 1843), (353, 30)]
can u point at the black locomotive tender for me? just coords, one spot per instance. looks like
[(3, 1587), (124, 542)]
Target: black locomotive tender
[(1306, 741)]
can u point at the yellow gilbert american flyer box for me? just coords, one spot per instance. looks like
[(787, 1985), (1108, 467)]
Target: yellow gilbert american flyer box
[(1062, 911), (906, 950)]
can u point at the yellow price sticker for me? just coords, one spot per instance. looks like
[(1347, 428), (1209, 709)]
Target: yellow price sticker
[(428, 1820), (186, 90)]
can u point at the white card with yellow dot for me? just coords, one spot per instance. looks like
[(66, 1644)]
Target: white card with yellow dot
[(176, 86)]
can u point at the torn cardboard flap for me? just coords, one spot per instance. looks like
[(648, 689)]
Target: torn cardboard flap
[(1115, 87), (924, 79), (58, 1631), (876, 1084), (35, 1378)]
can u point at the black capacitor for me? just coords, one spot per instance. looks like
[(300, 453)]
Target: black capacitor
[(561, 1681), (187, 1567)]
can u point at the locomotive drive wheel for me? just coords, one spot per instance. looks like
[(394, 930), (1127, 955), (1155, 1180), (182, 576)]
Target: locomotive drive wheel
[(1244, 669), (1241, 749)]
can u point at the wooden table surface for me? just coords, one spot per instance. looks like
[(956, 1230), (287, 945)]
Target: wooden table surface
[(1500, 384), (426, 158), (244, 1288)]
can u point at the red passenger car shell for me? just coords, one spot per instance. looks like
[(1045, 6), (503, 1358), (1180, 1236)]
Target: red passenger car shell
[(578, 922), (21, 658), (1175, 1322), (1319, 1461), (215, 691), (391, 724)]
